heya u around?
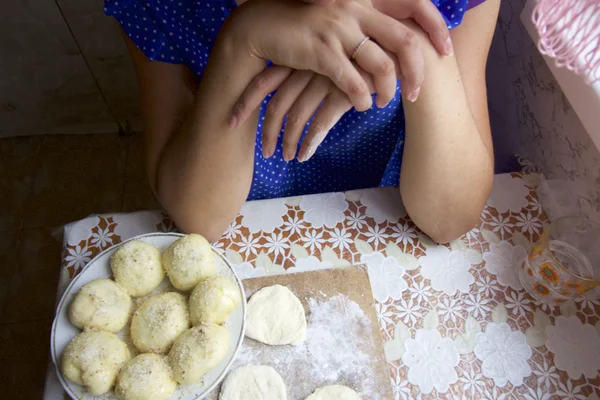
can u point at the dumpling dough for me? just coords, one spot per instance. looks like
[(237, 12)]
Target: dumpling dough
[(252, 382), (93, 359), (213, 299), (276, 317), (146, 377), (197, 351), (137, 267), (188, 260), (334, 392), (158, 322), (101, 304)]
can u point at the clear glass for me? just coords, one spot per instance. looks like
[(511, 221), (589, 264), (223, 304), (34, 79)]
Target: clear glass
[(565, 263)]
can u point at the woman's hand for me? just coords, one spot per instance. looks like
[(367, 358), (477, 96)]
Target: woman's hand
[(424, 12), (300, 95), (322, 40)]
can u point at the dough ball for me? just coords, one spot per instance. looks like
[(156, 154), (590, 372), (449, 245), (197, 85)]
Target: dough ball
[(334, 392), (137, 267), (158, 322), (276, 317), (213, 299), (197, 351), (187, 260), (101, 304), (146, 377), (253, 382), (93, 359)]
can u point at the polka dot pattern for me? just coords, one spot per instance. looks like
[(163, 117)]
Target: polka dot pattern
[(361, 150)]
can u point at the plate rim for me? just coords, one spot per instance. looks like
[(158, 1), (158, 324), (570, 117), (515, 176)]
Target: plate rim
[(61, 304)]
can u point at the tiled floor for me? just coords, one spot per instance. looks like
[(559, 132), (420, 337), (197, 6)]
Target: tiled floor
[(45, 182)]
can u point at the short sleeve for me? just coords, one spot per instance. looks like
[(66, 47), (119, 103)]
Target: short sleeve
[(453, 11), (142, 27)]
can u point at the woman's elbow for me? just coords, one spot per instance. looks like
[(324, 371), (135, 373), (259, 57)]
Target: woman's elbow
[(448, 218), (191, 216), (211, 230), (443, 228)]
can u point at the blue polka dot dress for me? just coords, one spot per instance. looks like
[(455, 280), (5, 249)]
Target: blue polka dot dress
[(364, 149)]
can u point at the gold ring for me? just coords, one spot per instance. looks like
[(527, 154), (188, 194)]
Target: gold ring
[(357, 48)]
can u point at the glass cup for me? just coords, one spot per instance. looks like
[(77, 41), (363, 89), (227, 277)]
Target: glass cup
[(565, 263)]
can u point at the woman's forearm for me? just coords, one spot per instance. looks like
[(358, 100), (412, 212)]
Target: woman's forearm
[(205, 172), (447, 170)]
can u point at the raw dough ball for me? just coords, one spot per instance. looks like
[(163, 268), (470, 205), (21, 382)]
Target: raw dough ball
[(253, 382), (101, 304), (146, 377), (158, 322), (275, 316), (188, 260), (93, 359), (213, 299), (334, 392), (197, 351), (137, 267)]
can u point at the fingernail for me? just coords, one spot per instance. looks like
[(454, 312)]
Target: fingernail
[(308, 153), (412, 96), (233, 121), (266, 153), (448, 47), (287, 155)]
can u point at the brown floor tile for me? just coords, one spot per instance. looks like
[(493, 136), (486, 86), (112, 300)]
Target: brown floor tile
[(20, 146), (8, 260), (78, 175), (18, 162), (23, 359), (137, 194), (30, 277)]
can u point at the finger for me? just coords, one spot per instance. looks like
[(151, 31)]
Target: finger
[(371, 58), (305, 106), (427, 15), (334, 107), (278, 107), (399, 39), (263, 84), (336, 65)]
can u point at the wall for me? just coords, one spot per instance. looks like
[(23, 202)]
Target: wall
[(64, 69), (531, 116)]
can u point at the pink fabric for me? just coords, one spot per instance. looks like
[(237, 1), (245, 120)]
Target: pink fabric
[(570, 32)]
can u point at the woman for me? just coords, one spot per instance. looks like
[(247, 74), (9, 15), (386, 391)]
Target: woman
[(205, 150)]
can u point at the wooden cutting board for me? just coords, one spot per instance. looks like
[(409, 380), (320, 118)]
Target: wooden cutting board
[(343, 343)]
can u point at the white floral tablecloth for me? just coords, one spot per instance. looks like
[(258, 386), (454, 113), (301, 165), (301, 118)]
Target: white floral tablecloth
[(455, 319)]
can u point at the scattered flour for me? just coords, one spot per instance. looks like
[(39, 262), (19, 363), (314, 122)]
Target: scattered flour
[(334, 352)]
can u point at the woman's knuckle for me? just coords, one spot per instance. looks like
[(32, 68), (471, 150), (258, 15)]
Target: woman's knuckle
[(409, 38), (260, 82), (385, 67), (240, 107), (357, 88), (292, 118), (318, 126), (273, 107)]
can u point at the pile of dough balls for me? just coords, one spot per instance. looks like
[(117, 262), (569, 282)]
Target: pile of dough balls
[(180, 340)]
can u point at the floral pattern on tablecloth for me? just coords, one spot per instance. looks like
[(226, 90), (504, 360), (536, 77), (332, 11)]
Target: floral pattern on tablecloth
[(455, 319)]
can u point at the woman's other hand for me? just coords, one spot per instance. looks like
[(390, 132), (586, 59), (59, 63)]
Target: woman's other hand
[(424, 12), (322, 40), (300, 95)]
